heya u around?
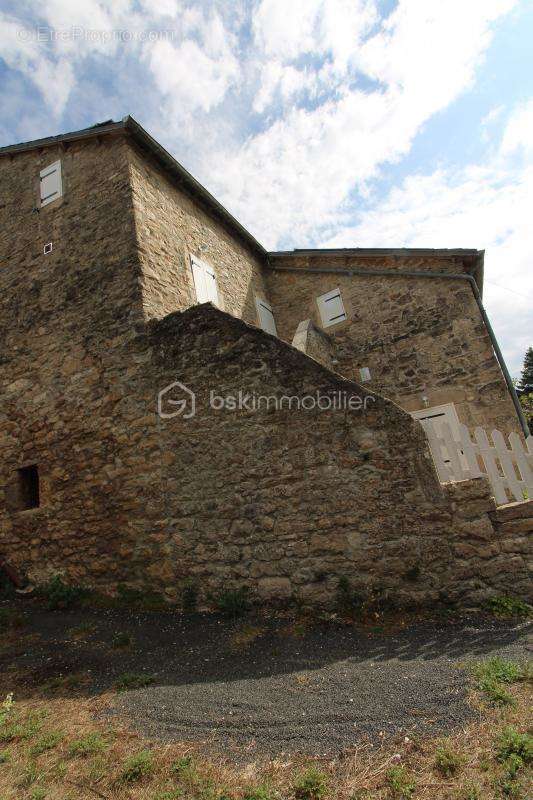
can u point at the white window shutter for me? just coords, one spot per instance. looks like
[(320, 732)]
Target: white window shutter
[(266, 317), (211, 285), (51, 186), (331, 308), (205, 282)]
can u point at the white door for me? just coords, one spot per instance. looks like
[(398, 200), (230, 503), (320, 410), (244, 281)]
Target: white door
[(266, 317), (437, 415)]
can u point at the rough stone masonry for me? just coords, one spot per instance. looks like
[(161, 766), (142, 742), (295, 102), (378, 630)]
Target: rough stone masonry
[(285, 502)]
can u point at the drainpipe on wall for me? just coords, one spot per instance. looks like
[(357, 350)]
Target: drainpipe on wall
[(448, 276)]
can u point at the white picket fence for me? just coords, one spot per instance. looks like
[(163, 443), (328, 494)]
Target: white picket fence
[(457, 457)]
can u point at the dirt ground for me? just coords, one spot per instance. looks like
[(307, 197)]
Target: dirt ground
[(259, 684)]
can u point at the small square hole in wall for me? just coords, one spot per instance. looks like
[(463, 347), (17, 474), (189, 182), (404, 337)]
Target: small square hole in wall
[(47, 248), (28, 494)]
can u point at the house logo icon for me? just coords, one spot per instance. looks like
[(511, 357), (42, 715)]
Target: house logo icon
[(176, 400)]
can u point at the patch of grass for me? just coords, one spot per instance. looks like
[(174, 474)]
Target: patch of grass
[(233, 602), (470, 791), (10, 619), (87, 745), (492, 676), (132, 680), (310, 785), (511, 742), (258, 793), (60, 595), (173, 794), (447, 761), (17, 728), (508, 607), (400, 783), (499, 669), (245, 636), (4, 756), (64, 683), (82, 630), (137, 767), (143, 599), (182, 767), (189, 597), (122, 640), (46, 742), (38, 793)]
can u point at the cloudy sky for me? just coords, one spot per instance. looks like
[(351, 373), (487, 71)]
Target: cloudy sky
[(316, 122)]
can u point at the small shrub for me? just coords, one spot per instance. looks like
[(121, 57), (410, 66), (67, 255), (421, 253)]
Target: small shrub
[(413, 573), (510, 742), (234, 602), (496, 693), (182, 767), (447, 761), (401, 784), (45, 743), (137, 767), (189, 597), (6, 709), (348, 600), (310, 785), (122, 639), (60, 595), (132, 680), (508, 607), (87, 745), (498, 669)]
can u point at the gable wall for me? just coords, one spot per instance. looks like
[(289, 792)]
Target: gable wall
[(171, 227)]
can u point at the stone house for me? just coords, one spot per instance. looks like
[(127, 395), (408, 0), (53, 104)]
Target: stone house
[(133, 305)]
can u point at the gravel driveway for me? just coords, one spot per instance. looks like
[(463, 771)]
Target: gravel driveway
[(264, 685)]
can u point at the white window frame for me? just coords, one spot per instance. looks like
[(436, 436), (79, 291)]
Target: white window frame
[(46, 196), (328, 316), (202, 275), (268, 323)]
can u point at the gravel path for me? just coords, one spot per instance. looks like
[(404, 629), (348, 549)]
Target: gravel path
[(263, 685)]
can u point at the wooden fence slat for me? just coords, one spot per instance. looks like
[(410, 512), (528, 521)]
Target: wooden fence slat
[(526, 471), (486, 452), (504, 457)]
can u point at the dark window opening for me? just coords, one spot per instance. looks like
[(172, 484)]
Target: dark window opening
[(29, 487)]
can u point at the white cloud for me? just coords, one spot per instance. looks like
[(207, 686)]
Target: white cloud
[(293, 178), (486, 206), (519, 132)]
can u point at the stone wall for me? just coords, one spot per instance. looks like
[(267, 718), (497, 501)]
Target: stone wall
[(285, 501), (419, 337), (315, 343), (171, 227), (69, 395)]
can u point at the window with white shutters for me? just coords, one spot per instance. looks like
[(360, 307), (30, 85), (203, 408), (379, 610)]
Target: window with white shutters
[(51, 186), (205, 282), (331, 308), (265, 315)]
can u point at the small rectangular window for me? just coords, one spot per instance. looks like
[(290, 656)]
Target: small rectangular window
[(29, 487), (266, 317), (331, 308), (205, 282), (51, 186)]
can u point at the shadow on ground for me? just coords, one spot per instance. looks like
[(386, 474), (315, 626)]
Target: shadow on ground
[(259, 683)]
